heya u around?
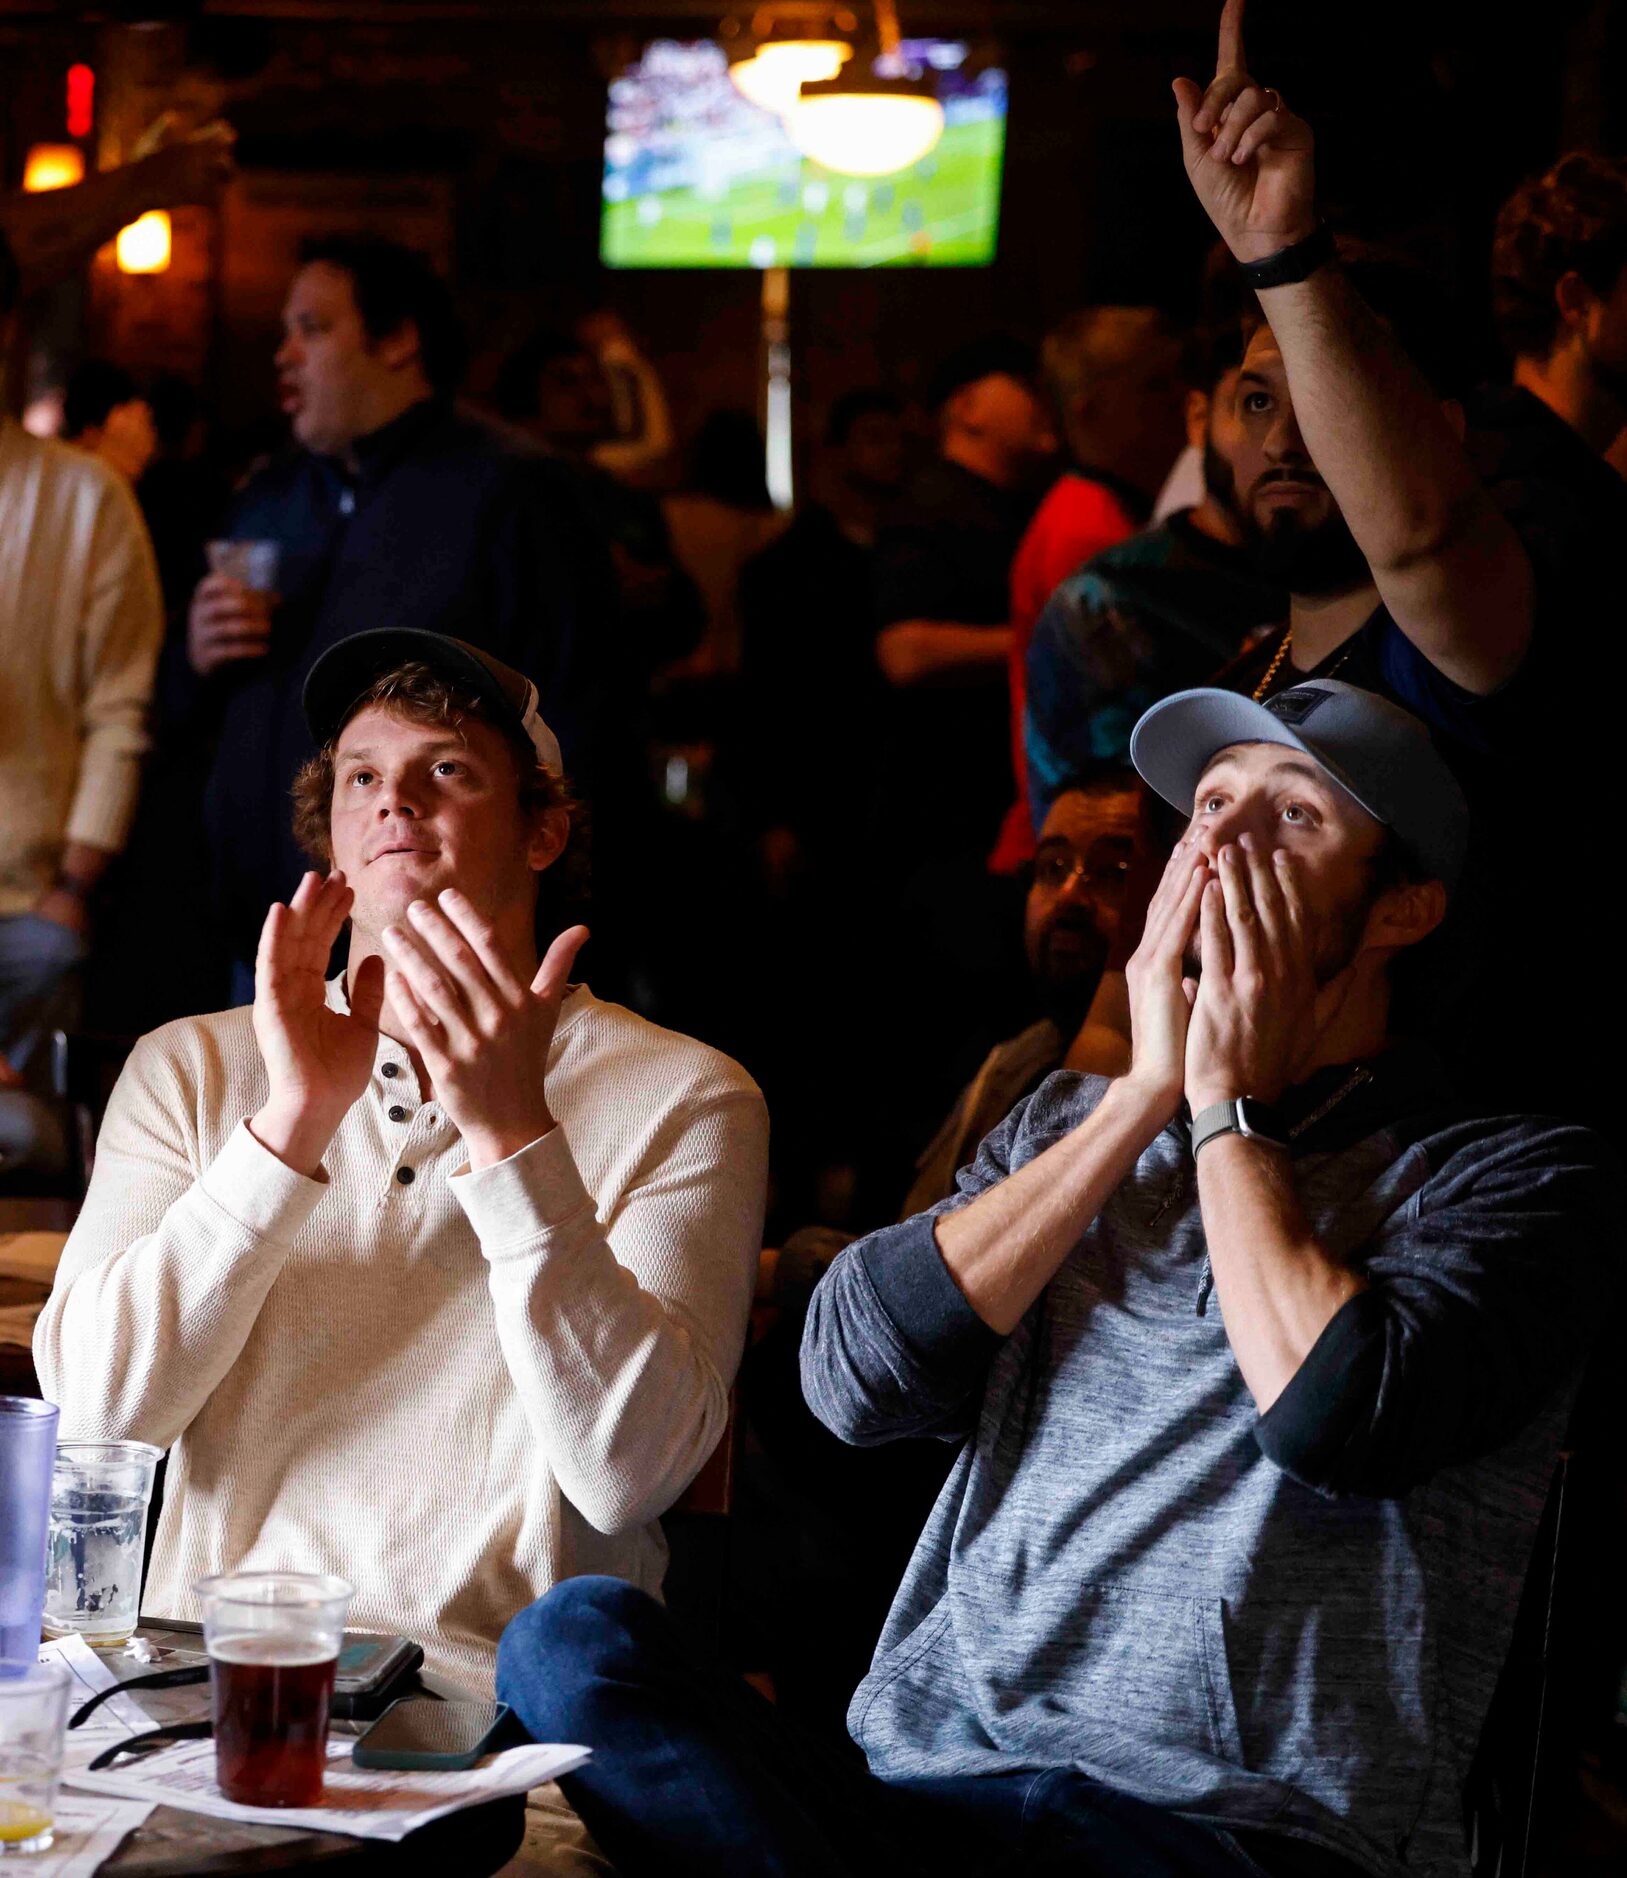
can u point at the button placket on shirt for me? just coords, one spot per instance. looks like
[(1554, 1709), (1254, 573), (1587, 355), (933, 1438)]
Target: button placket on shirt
[(402, 1109)]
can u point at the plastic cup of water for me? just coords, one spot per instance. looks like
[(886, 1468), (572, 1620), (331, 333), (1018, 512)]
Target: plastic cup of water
[(100, 1492), (33, 1725)]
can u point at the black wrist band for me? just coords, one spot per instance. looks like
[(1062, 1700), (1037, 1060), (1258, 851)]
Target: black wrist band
[(1297, 262)]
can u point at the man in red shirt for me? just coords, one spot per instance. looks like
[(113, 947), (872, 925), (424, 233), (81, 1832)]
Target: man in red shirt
[(1114, 373)]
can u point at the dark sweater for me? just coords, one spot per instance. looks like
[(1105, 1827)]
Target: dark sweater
[(450, 526), (1293, 1622)]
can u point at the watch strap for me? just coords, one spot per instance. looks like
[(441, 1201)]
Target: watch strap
[(1298, 261), (1246, 1117)]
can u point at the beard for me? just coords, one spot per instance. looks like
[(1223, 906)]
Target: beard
[(1306, 557), (1220, 484), (1067, 984)]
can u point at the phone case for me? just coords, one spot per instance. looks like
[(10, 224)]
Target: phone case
[(430, 1717)]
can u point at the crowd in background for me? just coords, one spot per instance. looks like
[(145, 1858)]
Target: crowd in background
[(857, 776)]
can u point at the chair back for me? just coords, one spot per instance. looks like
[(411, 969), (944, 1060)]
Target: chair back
[(84, 1067)]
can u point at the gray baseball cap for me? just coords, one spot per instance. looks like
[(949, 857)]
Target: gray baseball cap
[(345, 671), (1379, 754)]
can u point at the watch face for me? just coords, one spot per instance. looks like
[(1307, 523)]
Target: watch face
[(1254, 1118)]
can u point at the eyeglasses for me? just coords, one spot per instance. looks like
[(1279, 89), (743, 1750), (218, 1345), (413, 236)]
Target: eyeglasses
[(1106, 867)]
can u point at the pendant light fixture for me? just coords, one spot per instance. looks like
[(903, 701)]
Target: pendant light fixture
[(777, 68), (868, 122)]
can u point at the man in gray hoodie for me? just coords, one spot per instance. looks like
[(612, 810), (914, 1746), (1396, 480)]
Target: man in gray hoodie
[(1259, 1357)]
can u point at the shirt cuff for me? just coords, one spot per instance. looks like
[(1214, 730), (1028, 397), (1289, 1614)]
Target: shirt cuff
[(516, 1203), (258, 1192), (1319, 1429), (913, 1285)]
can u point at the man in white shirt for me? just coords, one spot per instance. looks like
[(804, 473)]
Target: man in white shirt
[(81, 621), (435, 1275)]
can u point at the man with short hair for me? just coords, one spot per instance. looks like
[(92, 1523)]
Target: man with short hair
[(942, 594), (392, 506), (1559, 291), (556, 389), (106, 412), (434, 1275), (1160, 611), (1260, 1356), (1113, 374), (839, 1526), (81, 622)]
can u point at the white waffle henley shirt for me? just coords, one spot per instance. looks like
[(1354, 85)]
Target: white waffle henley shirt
[(452, 1388)]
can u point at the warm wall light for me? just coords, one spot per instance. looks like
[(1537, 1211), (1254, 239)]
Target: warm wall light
[(143, 247), (53, 166), (772, 77), (865, 133)]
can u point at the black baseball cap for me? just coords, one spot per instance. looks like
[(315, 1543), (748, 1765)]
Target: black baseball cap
[(344, 673), (1379, 754)]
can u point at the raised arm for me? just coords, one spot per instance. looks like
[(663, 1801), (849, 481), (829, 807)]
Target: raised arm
[(1447, 565), (170, 1259), (901, 1331), (55, 233), (622, 1334)]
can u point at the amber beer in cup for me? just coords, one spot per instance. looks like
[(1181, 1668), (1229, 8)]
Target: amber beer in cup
[(273, 1640)]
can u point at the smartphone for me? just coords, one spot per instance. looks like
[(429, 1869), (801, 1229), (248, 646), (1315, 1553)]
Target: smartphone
[(373, 1672), (424, 1735)]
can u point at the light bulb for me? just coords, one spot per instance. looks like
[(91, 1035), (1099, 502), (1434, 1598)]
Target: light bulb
[(771, 79), (143, 245), (865, 134)]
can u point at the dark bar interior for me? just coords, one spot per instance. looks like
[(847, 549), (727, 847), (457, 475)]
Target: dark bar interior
[(807, 998)]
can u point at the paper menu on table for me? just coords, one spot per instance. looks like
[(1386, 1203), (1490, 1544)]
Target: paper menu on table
[(89, 1828), (120, 1715), (361, 1802)]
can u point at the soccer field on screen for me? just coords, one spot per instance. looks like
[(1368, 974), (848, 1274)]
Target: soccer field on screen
[(942, 212)]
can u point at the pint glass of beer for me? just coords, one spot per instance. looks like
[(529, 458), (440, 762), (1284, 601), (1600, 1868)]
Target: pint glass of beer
[(273, 1640)]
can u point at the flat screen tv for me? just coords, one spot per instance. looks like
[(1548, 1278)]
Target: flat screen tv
[(696, 175)]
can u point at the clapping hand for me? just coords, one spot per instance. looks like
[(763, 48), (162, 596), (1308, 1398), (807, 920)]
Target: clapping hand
[(1254, 1018), (483, 1032), (1247, 155), (317, 1059)]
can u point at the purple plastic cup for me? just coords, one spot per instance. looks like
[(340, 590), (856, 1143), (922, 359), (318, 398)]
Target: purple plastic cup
[(27, 1451)]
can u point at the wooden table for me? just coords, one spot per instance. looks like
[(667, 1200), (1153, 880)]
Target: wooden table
[(173, 1843)]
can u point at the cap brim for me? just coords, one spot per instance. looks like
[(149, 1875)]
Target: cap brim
[(344, 672), (1177, 739)]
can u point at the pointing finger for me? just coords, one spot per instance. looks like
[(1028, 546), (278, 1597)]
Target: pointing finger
[(1231, 55)]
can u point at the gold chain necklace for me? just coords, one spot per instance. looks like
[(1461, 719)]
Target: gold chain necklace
[(1275, 666)]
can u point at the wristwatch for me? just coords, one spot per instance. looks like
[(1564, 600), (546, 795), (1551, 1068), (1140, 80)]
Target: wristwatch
[(1245, 1117)]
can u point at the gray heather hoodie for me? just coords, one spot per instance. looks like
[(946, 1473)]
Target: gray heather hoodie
[(1293, 1622)]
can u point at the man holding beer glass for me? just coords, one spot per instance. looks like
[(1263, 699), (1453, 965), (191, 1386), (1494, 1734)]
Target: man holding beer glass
[(434, 1276)]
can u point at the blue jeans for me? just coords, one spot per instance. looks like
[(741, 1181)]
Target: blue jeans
[(693, 1773), (38, 984)]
